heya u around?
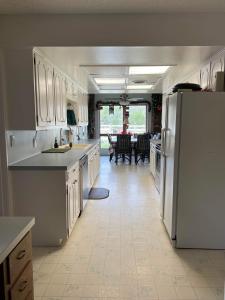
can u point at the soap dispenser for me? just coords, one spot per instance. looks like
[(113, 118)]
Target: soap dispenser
[(56, 144)]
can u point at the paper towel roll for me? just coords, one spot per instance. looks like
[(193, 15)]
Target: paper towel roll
[(219, 81)]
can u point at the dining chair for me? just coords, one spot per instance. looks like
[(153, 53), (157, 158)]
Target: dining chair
[(142, 148), (111, 148), (123, 148)]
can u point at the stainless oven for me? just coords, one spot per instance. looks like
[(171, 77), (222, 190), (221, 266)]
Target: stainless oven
[(157, 166)]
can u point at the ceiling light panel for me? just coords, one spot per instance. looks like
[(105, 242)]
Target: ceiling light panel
[(139, 87), (110, 80), (145, 70)]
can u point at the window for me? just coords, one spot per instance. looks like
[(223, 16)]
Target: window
[(110, 124), (113, 123), (137, 119)]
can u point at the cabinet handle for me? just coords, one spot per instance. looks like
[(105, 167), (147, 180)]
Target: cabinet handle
[(22, 286), (21, 254)]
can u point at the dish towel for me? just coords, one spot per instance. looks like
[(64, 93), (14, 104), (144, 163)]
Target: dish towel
[(71, 119)]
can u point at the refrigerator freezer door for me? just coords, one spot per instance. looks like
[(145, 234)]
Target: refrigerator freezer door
[(201, 190), (163, 159), (171, 157)]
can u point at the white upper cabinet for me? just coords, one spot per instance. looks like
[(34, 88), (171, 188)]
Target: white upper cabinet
[(50, 94), (57, 85), (60, 98), (82, 100), (41, 91), (63, 100), (37, 99)]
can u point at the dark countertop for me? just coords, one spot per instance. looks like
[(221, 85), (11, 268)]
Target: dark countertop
[(12, 231), (54, 161)]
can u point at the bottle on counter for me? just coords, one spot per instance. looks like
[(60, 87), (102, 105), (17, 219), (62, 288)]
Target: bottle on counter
[(56, 145)]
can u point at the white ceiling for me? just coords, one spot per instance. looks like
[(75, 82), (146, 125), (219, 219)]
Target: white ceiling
[(113, 61), (109, 6)]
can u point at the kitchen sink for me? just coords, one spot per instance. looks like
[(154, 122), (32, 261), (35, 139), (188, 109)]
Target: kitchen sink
[(80, 146), (75, 146)]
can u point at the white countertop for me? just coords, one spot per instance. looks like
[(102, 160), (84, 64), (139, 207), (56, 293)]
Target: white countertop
[(53, 161), (12, 231)]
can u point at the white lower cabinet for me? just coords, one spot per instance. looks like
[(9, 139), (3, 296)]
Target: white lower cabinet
[(73, 197), (52, 196), (93, 164)]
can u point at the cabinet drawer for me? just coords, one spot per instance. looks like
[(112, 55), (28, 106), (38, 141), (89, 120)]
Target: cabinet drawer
[(23, 288), (19, 257)]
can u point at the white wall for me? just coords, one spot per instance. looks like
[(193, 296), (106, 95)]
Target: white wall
[(113, 30)]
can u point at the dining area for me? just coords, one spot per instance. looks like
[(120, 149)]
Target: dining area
[(127, 148)]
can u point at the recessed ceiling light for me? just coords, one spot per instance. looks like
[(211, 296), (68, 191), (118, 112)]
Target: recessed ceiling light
[(139, 87), (110, 80), (145, 70)]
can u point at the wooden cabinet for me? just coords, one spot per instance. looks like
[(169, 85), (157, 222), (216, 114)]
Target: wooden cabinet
[(93, 164), (73, 197), (16, 274), (23, 287)]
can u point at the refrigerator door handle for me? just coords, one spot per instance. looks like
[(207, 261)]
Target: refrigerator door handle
[(166, 141), (163, 141)]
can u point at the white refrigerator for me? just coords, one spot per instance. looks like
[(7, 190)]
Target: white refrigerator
[(193, 169)]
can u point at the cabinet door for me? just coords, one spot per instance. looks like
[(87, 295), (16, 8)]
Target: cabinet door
[(50, 94), (41, 91), (57, 86), (60, 98), (77, 197), (73, 198), (71, 206), (63, 100)]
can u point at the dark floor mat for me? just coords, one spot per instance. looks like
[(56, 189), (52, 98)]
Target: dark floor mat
[(98, 193)]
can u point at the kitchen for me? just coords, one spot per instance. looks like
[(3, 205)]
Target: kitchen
[(41, 180), (96, 250)]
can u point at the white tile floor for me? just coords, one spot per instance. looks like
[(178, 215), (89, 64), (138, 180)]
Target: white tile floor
[(120, 250)]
